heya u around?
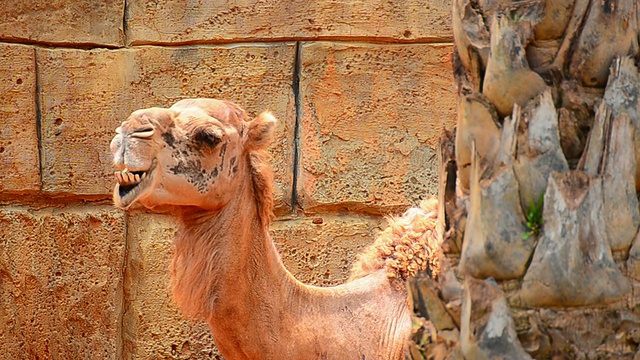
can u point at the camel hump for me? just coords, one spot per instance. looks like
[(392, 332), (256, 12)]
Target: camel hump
[(409, 244)]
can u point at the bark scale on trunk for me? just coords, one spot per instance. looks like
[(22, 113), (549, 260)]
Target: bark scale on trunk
[(539, 186)]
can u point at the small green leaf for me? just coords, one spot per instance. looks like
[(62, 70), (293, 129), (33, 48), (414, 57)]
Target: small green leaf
[(534, 218)]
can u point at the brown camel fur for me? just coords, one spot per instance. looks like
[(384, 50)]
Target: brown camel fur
[(203, 161)]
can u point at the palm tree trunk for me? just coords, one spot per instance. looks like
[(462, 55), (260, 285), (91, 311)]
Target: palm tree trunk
[(539, 186)]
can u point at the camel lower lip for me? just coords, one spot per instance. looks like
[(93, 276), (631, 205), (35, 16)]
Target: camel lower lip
[(123, 190)]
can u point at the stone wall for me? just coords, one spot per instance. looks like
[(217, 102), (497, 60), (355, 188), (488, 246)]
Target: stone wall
[(361, 90)]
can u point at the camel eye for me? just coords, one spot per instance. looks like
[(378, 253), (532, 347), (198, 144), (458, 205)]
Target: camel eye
[(207, 136), (143, 133)]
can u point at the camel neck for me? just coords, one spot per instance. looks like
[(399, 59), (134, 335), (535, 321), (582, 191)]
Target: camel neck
[(225, 260), (226, 270)]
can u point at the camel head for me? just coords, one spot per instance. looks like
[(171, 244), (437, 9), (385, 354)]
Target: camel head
[(191, 154)]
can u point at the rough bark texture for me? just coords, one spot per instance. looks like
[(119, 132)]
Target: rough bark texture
[(544, 200)]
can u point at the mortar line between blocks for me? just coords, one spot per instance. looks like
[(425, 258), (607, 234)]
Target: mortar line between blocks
[(120, 341), (296, 132), (38, 119), (125, 28)]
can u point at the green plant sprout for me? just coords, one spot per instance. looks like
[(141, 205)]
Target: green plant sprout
[(534, 218)]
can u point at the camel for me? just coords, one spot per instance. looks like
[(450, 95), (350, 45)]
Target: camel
[(205, 162)]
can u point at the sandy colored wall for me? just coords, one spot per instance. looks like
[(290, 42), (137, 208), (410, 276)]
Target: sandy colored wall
[(362, 90)]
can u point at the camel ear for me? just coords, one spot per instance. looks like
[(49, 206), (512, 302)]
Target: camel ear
[(260, 131)]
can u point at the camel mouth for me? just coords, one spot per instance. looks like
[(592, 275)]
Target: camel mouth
[(131, 185)]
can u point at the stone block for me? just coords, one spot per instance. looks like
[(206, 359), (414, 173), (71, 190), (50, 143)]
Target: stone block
[(153, 325), (165, 21), (321, 250), (61, 282), (86, 94), (61, 22), (19, 159), (371, 118)]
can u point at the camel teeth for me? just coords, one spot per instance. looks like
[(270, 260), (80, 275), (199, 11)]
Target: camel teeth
[(126, 177)]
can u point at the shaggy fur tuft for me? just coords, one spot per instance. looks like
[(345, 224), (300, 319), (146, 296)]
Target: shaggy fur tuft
[(408, 245)]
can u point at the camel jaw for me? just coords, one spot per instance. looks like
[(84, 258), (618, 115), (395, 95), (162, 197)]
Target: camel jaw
[(131, 185)]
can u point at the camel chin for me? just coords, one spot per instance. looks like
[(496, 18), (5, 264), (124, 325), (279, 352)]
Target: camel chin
[(132, 185)]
